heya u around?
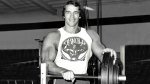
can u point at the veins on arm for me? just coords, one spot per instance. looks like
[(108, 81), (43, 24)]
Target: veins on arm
[(97, 46), (49, 51)]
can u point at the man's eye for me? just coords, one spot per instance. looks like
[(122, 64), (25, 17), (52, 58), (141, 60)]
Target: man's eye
[(76, 12), (67, 12)]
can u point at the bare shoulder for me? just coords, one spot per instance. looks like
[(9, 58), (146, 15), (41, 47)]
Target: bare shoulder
[(53, 34), (93, 34), (52, 38)]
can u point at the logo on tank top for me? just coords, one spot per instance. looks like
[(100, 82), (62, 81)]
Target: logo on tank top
[(74, 49)]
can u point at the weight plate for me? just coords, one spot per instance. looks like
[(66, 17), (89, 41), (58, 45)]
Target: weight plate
[(104, 74), (116, 74), (105, 69), (110, 75)]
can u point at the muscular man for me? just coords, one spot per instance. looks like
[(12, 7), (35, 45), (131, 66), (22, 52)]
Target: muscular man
[(68, 50)]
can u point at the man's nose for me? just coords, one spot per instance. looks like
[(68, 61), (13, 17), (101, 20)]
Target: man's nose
[(72, 16)]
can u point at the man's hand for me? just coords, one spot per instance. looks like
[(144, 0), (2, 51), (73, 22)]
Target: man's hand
[(112, 53), (68, 75)]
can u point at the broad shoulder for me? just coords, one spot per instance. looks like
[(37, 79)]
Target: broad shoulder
[(54, 34), (90, 31), (93, 34), (52, 37)]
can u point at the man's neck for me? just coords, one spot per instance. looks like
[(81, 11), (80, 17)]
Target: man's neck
[(72, 30)]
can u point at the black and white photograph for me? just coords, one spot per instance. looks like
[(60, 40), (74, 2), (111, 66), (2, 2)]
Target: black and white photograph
[(74, 41)]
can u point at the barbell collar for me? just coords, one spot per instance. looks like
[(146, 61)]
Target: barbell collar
[(121, 78)]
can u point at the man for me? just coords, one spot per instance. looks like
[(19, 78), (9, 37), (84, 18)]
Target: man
[(68, 50)]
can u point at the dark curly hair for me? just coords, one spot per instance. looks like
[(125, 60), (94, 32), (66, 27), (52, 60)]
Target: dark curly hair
[(72, 2)]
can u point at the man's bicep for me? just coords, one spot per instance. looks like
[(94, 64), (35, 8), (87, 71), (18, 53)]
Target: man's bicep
[(46, 55), (97, 46), (48, 52)]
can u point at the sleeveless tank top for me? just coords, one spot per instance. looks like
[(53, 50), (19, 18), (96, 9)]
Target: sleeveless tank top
[(74, 51)]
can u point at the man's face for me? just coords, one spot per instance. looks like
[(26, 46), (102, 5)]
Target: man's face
[(71, 15)]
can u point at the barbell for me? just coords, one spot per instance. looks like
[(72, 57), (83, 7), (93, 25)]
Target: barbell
[(109, 73), (82, 77)]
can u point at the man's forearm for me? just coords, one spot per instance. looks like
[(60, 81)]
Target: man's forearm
[(54, 69)]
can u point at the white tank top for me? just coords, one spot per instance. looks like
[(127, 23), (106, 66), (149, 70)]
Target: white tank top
[(74, 51)]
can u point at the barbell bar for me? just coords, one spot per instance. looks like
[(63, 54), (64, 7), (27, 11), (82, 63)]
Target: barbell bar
[(120, 77)]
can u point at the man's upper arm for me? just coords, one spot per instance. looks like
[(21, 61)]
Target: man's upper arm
[(97, 46), (49, 47)]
